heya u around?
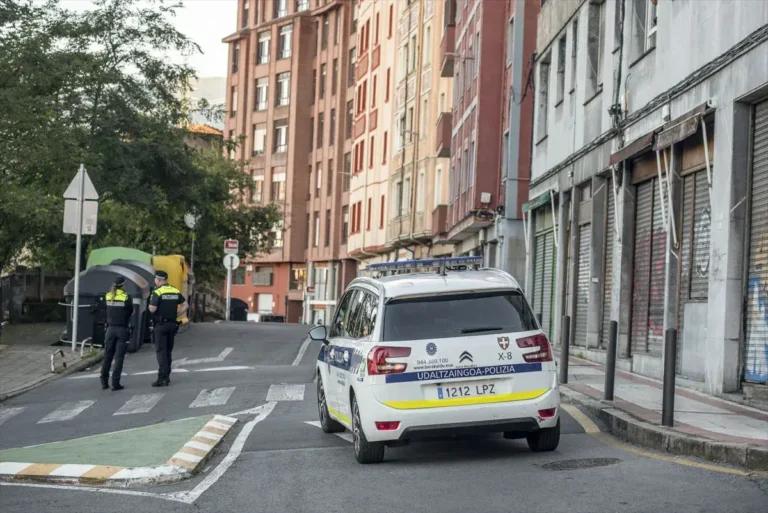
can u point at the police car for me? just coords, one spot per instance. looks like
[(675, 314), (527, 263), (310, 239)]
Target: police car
[(451, 350)]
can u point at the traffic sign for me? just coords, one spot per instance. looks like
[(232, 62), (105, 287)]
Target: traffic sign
[(231, 262), (191, 220), (73, 190), (90, 217), (231, 246)]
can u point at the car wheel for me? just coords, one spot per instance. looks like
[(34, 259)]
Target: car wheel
[(365, 451), (326, 422), (546, 439)]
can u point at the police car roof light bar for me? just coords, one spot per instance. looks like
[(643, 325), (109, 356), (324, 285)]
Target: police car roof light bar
[(441, 265)]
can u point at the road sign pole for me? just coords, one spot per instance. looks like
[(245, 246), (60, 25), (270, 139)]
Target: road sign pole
[(192, 258), (229, 290), (78, 251)]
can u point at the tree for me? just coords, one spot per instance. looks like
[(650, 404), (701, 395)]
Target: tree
[(102, 88)]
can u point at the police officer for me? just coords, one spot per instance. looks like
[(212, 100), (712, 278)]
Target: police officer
[(119, 324), (164, 305)]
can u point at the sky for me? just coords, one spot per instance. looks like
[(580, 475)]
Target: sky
[(206, 22)]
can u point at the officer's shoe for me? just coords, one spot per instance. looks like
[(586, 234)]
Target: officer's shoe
[(104, 385), (159, 383), (167, 382), (117, 387)]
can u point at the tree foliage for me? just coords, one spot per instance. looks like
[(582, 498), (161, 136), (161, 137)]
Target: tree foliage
[(103, 88)]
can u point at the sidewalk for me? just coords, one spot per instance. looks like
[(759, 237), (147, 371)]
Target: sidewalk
[(25, 357), (705, 426)]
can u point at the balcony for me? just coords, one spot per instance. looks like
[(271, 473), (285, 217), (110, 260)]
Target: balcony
[(440, 219), (444, 128), (447, 48), (376, 57), (362, 67)]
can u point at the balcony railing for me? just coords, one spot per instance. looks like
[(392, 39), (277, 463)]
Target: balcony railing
[(360, 127), (444, 128), (447, 47), (440, 219)]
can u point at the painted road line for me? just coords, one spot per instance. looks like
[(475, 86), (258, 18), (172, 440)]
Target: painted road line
[(346, 436), (198, 445), (139, 404), (11, 468), (585, 422), (220, 358), (215, 397), (8, 413), (194, 453), (302, 350), (285, 393), (71, 470), (66, 411), (148, 373), (232, 367)]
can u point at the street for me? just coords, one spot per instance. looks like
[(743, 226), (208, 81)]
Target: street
[(277, 459)]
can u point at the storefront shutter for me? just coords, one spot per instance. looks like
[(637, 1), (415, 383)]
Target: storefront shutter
[(642, 266), (582, 289), (610, 237)]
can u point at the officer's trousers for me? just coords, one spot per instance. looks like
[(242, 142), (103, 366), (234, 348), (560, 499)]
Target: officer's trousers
[(164, 335), (115, 343)]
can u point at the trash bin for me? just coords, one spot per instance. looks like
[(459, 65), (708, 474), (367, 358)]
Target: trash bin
[(147, 272), (105, 256), (238, 310), (95, 282)]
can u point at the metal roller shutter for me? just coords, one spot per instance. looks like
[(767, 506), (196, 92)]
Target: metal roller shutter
[(701, 231), (549, 283), (582, 289), (610, 236), (685, 260), (642, 266), (538, 274), (756, 350), (658, 266)]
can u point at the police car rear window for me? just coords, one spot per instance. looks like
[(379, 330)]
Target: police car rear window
[(461, 315)]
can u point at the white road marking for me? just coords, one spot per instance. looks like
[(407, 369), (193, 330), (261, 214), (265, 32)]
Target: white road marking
[(12, 467), (198, 445), (209, 436), (187, 457), (233, 367), (220, 358), (71, 470), (8, 413), (139, 404), (285, 393), (346, 435), (302, 350), (147, 373), (78, 488), (215, 397), (249, 411), (66, 411)]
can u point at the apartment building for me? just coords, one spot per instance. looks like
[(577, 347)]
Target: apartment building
[(648, 170), (292, 148)]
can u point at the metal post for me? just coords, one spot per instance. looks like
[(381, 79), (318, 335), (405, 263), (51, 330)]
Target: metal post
[(670, 360), (610, 361), (229, 291), (78, 250), (192, 258), (564, 348)]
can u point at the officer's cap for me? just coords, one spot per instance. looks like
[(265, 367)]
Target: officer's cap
[(119, 281), (161, 274)]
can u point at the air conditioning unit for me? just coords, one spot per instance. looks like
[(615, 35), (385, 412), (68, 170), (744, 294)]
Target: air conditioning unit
[(485, 197)]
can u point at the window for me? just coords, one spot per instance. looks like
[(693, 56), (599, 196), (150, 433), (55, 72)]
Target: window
[(412, 55), (543, 89), (244, 19), (471, 164), (235, 57), (277, 235), (438, 187), (316, 238), (302, 5), (314, 86), (384, 149), (358, 215), (368, 215), (259, 139), (476, 61), (336, 27), (318, 179), (381, 213), (281, 136), (352, 63), (232, 143), (238, 276), (350, 117), (309, 183), (331, 174), (421, 188), (281, 8), (311, 134), (262, 88), (298, 277), (341, 321), (424, 118), (398, 210), (391, 21), (373, 92), (320, 128), (262, 276), (427, 57), (409, 124), (596, 35), (510, 41), (561, 70), (506, 310), (285, 42), (257, 188), (326, 28), (370, 153), (323, 75), (278, 183), (386, 87), (309, 232), (457, 88), (347, 172), (643, 27), (465, 172), (400, 132), (574, 52), (332, 128), (334, 76), (233, 102), (262, 56), (353, 25), (283, 89), (327, 227), (344, 224)]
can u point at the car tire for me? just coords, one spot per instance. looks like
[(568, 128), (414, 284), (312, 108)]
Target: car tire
[(365, 452), (326, 422), (546, 439)]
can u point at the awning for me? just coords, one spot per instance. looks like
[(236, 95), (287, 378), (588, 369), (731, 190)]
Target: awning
[(677, 133), (636, 147), (537, 202)]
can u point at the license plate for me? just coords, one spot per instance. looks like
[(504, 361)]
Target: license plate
[(471, 390)]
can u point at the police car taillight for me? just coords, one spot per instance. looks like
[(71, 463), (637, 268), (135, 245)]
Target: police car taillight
[(539, 342), (379, 363)]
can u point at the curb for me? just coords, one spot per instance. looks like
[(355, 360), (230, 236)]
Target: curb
[(79, 366), (184, 464), (627, 428)]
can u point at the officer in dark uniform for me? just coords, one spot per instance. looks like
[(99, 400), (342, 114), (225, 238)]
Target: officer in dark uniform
[(119, 324), (164, 305)]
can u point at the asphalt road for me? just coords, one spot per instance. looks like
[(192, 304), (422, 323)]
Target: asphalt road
[(278, 462)]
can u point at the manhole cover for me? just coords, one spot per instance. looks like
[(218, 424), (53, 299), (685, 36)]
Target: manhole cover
[(582, 463)]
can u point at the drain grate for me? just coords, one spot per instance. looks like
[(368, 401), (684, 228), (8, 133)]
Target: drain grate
[(580, 464)]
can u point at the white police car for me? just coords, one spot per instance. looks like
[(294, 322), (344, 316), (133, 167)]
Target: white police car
[(422, 355)]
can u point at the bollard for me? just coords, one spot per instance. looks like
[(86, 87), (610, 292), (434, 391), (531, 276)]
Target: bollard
[(565, 340), (670, 361), (610, 361), (538, 318)]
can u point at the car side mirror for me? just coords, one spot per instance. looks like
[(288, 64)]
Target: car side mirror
[(319, 333)]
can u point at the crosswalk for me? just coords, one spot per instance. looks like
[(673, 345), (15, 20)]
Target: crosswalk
[(145, 403)]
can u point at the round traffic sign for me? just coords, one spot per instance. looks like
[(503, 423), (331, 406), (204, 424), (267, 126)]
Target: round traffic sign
[(231, 262), (190, 220)]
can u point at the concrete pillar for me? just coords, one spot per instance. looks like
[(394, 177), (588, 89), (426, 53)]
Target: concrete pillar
[(529, 253), (623, 258), (309, 282), (573, 263), (729, 185), (597, 258), (562, 262), (512, 248)]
